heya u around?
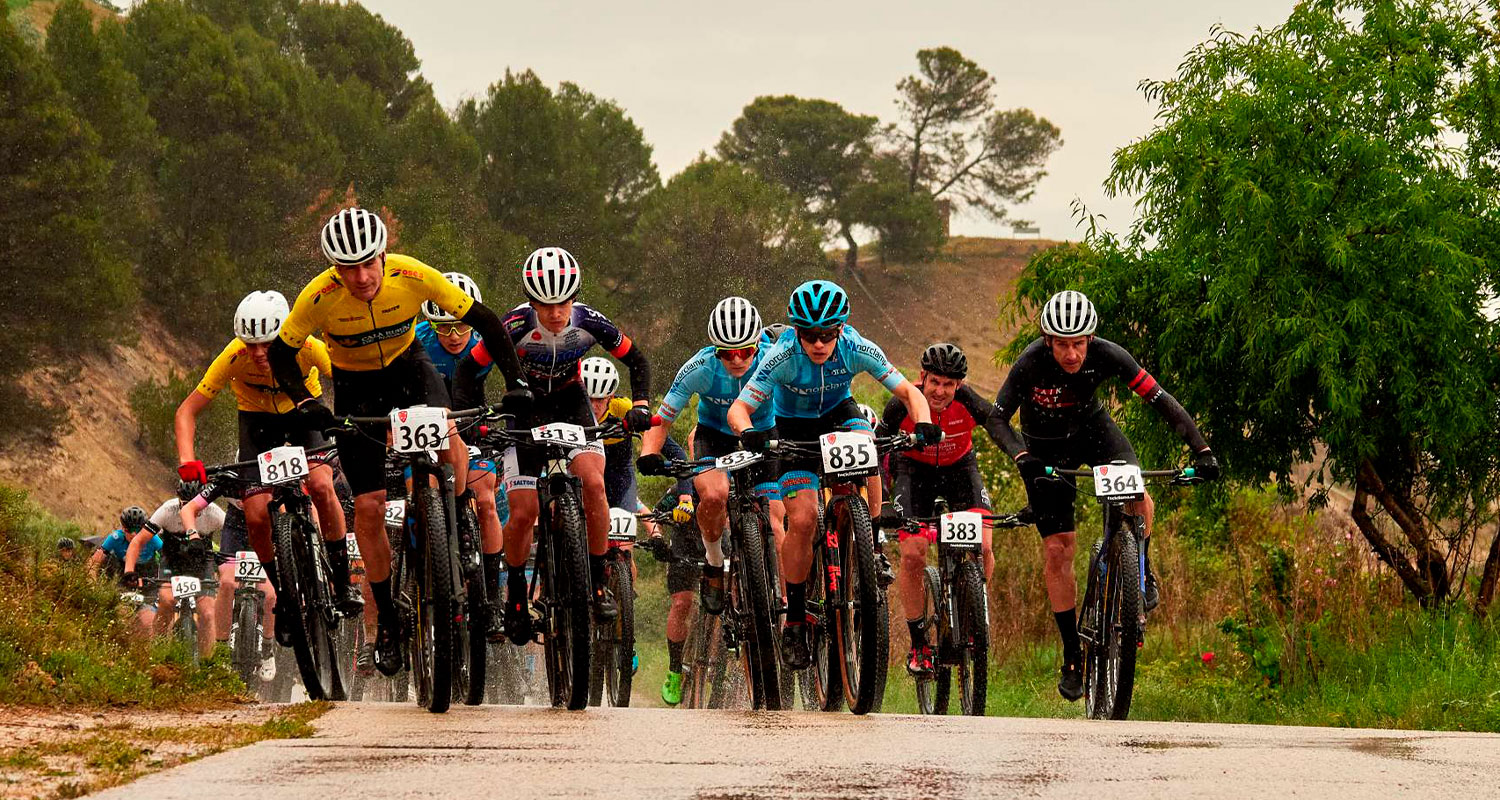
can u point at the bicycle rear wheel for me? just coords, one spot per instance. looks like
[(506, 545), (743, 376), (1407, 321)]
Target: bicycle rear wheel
[(824, 675), (932, 692), (473, 644), (435, 635), (1109, 660), (971, 639), (695, 660), (863, 632), (568, 636), (312, 637)]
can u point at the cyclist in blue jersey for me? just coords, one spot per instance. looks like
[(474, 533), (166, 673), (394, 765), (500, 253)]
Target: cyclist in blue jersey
[(807, 377), (447, 340), (717, 374)]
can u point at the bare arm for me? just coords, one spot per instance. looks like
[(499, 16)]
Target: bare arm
[(185, 423), (911, 397), (739, 415)]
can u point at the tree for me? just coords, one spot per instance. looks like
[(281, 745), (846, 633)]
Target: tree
[(346, 41), (65, 281), (715, 224), (956, 143), (1309, 263), (815, 149), (909, 223)]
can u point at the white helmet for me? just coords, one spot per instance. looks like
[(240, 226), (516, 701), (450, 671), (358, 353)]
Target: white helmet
[(551, 275), (353, 236), (734, 323), (430, 309), (1069, 313), (259, 317), (600, 378), (869, 415)]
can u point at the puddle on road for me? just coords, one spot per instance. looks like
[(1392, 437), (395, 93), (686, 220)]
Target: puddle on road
[(1388, 747), (1164, 744)]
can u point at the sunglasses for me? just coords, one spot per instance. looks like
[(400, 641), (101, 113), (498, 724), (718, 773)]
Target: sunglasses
[(741, 353), (454, 329), (820, 335)]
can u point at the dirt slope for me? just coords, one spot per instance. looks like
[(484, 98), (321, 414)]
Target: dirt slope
[(95, 468), (955, 299)]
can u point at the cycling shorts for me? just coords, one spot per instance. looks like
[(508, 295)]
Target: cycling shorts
[(260, 431), (800, 473), (1097, 441), (179, 559), (409, 380), (521, 467), (709, 442), (686, 545), (915, 486), (235, 538)]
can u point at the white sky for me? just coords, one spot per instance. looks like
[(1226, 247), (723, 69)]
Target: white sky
[(683, 70)]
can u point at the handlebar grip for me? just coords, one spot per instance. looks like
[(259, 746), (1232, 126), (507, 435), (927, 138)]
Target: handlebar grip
[(1189, 473)]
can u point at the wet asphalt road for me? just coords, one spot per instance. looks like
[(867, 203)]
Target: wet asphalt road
[(399, 751)]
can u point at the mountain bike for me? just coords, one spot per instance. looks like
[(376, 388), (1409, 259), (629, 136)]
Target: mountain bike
[(613, 662), (306, 594), (752, 597), (846, 604), (1112, 617), (437, 574), (248, 618), (185, 592), (560, 582), (957, 607)]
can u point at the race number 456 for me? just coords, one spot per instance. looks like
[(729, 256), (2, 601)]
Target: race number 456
[(418, 429)]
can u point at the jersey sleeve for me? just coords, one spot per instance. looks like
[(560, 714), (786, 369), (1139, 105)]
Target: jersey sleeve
[(165, 514), (304, 320), (315, 364), (1008, 400), (687, 383), (211, 519), (217, 376), (869, 358), (1141, 382), (770, 372), (983, 412), (438, 289), (605, 332), (892, 416)]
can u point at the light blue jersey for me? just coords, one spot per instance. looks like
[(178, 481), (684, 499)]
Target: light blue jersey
[(705, 376), (804, 390)]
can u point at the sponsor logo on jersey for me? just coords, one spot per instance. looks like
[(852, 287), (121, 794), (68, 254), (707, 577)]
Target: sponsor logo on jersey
[(372, 336)]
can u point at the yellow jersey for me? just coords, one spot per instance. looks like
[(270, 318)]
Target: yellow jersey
[(368, 336), (617, 409), (254, 388)]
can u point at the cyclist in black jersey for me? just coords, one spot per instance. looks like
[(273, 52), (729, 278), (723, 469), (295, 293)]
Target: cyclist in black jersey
[(1063, 424)]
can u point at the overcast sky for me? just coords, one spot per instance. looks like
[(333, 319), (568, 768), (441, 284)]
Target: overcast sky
[(683, 70)]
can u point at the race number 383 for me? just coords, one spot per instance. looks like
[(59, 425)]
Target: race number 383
[(960, 528), (417, 429)]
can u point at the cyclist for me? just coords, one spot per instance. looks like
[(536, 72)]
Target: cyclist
[(809, 372), (447, 340), (551, 333), (266, 420), (948, 469), (1052, 383), (685, 544), (185, 551), (366, 304), (717, 374), (600, 381), (66, 548), (235, 538), (109, 558)]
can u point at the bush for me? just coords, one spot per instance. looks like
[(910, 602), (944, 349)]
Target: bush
[(155, 405)]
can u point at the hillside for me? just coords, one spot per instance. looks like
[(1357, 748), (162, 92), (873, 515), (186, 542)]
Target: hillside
[(955, 299), (31, 17)]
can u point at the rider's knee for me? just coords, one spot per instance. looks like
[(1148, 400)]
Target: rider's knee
[(485, 502), (712, 498), (369, 504), (1058, 550)]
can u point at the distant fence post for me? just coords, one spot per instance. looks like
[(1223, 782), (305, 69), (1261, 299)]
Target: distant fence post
[(1027, 230)]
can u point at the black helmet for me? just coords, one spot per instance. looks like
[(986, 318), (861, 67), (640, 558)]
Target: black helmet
[(133, 519), (945, 359), (66, 543)]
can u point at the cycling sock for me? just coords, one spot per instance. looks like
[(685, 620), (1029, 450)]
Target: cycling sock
[(1067, 625), (493, 563), (596, 572), (713, 552), (515, 584), (385, 607), (918, 628), (796, 602), (338, 560), (674, 655)]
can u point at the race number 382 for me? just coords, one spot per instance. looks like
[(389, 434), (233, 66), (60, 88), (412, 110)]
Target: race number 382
[(417, 429)]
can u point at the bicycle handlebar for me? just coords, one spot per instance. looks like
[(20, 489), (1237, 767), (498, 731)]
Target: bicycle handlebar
[(231, 470)]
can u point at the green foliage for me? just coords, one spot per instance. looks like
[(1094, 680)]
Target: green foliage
[(717, 225), (909, 223), (346, 41), (953, 140), (154, 406)]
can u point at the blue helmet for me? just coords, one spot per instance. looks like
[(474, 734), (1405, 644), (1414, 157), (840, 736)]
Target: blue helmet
[(818, 304)]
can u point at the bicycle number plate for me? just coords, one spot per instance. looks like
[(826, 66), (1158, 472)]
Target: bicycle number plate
[(560, 433), (1119, 482), (961, 529), (354, 543), (849, 455), (184, 587), (282, 465), (395, 513), (738, 460), (621, 525), (247, 567), (418, 429)]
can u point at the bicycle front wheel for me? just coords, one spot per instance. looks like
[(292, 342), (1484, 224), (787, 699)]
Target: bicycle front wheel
[(568, 634), (932, 692), (971, 639), (435, 640), (312, 639), (754, 590), (1109, 660), (862, 633), (244, 638)]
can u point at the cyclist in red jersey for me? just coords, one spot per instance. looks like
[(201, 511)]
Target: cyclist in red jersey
[(947, 469)]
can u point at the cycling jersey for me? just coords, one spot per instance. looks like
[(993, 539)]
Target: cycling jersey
[(445, 362), (1055, 404), (958, 420), (255, 388), (116, 544), (704, 375), (365, 336), (806, 390), (550, 360), (168, 518)]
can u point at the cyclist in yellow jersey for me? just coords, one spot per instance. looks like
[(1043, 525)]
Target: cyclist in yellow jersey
[(366, 305), (267, 419)]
